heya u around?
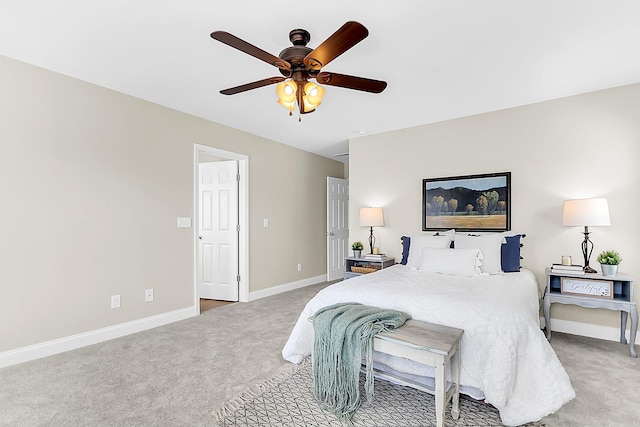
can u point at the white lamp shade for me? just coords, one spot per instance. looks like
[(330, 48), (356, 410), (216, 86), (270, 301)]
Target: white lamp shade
[(371, 217), (585, 213)]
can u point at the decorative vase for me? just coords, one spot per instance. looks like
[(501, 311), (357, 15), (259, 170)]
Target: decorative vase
[(357, 253), (609, 270)]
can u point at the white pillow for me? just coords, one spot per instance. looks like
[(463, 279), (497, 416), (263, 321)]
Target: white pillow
[(419, 241), (489, 244), (459, 262)]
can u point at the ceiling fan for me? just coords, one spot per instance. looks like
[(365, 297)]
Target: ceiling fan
[(299, 63)]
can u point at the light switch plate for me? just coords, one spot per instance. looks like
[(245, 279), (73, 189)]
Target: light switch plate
[(184, 222), (115, 301)]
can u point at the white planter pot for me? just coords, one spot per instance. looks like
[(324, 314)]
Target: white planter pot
[(609, 270), (357, 253)]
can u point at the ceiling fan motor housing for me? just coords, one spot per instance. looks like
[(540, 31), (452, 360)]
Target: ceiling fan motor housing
[(295, 54), (299, 37)]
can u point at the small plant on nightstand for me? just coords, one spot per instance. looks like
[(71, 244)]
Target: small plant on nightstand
[(609, 261), (357, 249)]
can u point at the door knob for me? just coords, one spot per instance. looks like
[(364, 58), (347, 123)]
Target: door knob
[(200, 237)]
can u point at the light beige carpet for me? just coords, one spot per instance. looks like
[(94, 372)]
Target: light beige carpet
[(178, 374)]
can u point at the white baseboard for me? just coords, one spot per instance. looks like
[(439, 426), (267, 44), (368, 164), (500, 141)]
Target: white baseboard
[(286, 287), (588, 330), (49, 348)]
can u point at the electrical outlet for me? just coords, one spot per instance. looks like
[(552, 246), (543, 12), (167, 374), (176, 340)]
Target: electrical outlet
[(265, 222), (299, 267), (148, 295), (115, 301)]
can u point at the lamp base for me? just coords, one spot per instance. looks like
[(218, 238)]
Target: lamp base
[(372, 240), (587, 249)]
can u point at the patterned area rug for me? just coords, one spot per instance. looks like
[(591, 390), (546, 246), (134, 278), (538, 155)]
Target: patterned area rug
[(288, 401)]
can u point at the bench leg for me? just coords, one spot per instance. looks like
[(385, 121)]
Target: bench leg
[(455, 382), (440, 384)]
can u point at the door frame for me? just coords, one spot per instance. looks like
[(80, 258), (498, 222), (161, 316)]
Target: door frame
[(243, 218)]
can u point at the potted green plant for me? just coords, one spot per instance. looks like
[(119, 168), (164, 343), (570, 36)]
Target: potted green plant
[(609, 261), (356, 247)]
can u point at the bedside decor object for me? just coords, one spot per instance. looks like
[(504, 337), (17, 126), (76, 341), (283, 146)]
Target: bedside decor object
[(356, 247), (364, 270), (609, 261), (566, 260), (467, 203), (371, 217), (592, 288), (575, 270), (585, 213)]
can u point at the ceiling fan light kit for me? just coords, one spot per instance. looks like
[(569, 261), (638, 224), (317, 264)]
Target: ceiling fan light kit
[(289, 92), (299, 63)]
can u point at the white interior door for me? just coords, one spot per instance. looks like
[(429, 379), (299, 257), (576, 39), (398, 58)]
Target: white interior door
[(337, 226), (218, 231)]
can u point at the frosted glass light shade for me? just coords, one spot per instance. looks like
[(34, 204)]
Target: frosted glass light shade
[(371, 217), (313, 95), (585, 212), (286, 92), (288, 105)]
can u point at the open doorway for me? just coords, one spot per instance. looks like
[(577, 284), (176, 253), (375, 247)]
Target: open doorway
[(235, 257), (210, 304)]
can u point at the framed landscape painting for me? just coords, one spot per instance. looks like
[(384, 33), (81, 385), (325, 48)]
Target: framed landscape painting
[(467, 203)]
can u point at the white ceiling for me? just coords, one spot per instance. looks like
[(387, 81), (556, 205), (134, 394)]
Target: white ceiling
[(442, 59)]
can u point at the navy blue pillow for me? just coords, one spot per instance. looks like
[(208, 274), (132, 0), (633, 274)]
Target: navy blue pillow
[(406, 243), (510, 253)]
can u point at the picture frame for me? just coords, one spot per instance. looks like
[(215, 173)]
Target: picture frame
[(467, 203), (587, 287)]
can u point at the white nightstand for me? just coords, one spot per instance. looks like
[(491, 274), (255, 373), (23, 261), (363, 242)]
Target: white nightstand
[(567, 288)]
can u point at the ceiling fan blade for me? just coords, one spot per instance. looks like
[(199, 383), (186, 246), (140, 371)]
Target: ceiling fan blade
[(252, 85), (241, 45), (351, 82), (339, 42)]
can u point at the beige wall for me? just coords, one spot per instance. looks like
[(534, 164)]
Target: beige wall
[(92, 184), (577, 147)]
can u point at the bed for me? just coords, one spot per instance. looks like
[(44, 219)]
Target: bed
[(506, 359)]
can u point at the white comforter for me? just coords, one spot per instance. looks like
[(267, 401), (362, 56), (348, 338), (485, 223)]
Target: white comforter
[(504, 352)]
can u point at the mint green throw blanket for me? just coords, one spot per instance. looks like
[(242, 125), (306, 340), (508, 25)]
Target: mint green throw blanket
[(343, 335)]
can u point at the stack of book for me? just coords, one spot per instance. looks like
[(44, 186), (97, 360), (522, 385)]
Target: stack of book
[(567, 269), (375, 257)]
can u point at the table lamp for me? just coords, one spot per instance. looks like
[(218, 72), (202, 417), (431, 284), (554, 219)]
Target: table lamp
[(371, 217), (585, 213)]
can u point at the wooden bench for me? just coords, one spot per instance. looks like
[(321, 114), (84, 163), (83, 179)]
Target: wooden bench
[(429, 344)]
